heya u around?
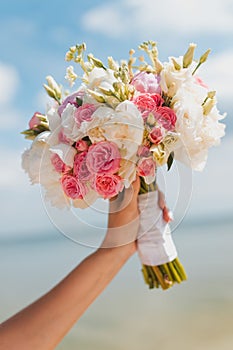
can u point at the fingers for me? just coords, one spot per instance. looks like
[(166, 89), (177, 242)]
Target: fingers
[(166, 215)]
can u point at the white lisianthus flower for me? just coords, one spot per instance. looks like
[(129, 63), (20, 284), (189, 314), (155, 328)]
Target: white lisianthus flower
[(65, 152), (173, 77), (55, 126), (100, 78), (125, 128)]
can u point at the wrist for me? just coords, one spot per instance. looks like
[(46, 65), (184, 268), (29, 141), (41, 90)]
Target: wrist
[(125, 250)]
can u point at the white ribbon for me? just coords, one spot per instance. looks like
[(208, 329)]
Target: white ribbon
[(155, 244)]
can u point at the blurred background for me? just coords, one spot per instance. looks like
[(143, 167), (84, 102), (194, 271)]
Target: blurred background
[(39, 245)]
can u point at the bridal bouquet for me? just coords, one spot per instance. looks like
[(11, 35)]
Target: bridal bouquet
[(124, 119)]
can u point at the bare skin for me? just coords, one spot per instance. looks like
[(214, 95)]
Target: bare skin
[(44, 323)]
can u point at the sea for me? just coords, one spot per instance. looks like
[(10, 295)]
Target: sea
[(194, 315)]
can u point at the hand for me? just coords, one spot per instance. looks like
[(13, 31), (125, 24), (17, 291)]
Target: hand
[(167, 216)]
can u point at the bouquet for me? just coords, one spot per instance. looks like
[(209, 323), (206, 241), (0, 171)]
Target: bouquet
[(125, 119)]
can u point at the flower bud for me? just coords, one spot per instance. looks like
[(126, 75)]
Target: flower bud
[(176, 64), (54, 86), (188, 57), (204, 57), (69, 56), (49, 91), (209, 104), (151, 119), (98, 97), (96, 61), (112, 64)]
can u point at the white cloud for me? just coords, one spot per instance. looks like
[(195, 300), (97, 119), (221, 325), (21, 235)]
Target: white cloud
[(148, 17), (9, 83)]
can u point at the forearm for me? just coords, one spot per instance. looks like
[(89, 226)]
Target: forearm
[(44, 323)]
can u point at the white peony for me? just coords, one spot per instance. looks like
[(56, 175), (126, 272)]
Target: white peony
[(198, 132), (36, 161), (125, 128)]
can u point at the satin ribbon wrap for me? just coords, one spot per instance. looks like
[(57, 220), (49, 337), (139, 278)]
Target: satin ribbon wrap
[(155, 244)]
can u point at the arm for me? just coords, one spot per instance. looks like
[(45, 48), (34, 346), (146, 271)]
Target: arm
[(43, 324)]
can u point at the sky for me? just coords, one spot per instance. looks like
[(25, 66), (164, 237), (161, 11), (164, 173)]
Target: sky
[(35, 36)]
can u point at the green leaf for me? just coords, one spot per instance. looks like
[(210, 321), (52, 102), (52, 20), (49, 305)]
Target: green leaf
[(170, 161), (79, 101)]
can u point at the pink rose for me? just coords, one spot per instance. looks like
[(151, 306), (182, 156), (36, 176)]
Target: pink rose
[(84, 113), (166, 117), (34, 121), (146, 167), (143, 151), (80, 168), (145, 102), (108, 185), (72, 187), (156, 135), (58, 164), (146, 82), (103, 157), (158, 99), (81, 145)]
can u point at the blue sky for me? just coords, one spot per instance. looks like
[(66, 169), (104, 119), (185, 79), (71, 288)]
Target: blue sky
[(34, 38)]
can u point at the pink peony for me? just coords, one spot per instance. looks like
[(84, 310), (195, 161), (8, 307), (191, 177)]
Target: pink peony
[(80, 168), (108, 185), (146, 82), (156, 135), (103, 157), (72, 187), (143, 151), (58, 164), (84, 113), (166, 117), (34, 121), (81, 145), (146, 167)]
